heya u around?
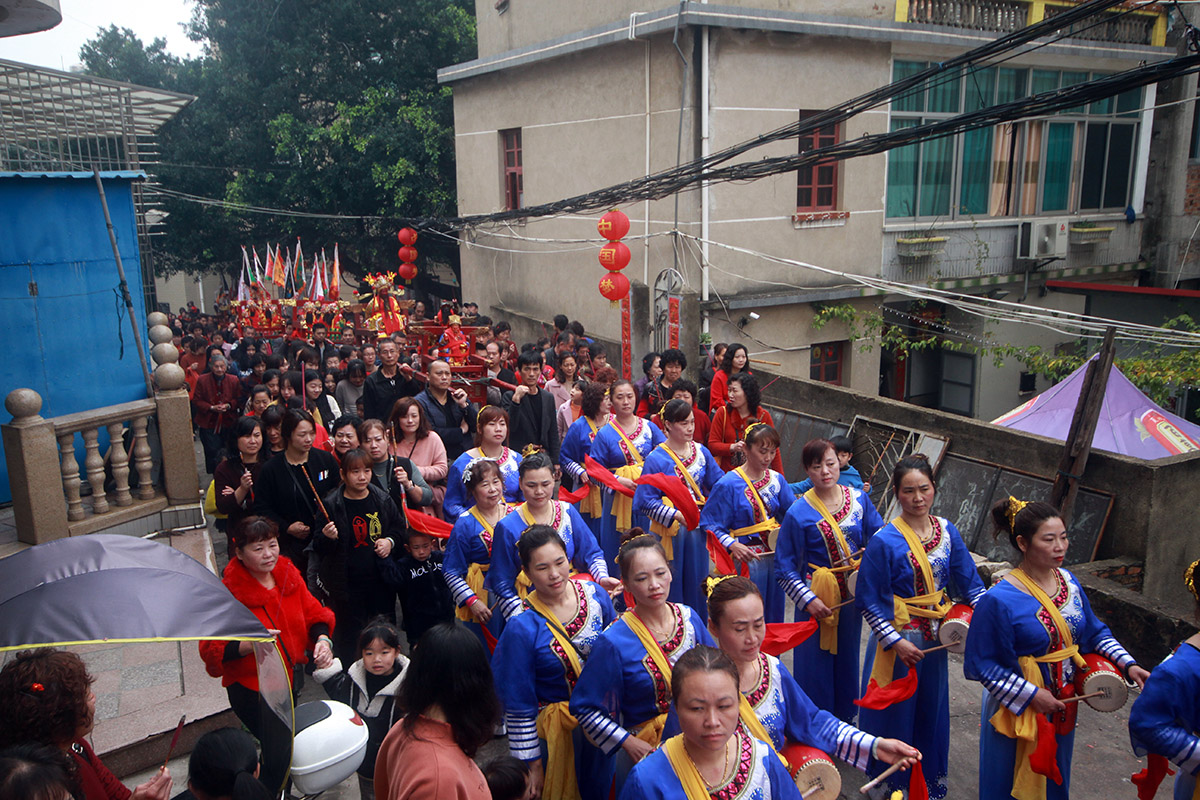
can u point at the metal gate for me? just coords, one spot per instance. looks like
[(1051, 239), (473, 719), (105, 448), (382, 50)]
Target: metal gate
[(668, 297)]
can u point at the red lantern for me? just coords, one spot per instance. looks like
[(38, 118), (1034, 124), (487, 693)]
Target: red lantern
[(408, 254), (407, 271), (407, 237), (614, 286), (613, 225), (615, 256)]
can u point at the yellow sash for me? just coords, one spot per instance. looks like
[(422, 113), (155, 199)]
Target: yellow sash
[(694, 787), (932, 605), (1027, 784), (768, 523), (667, 532), (824, 579), (555, 721), (755, 727), (622, 506), (593, 504), (650, 732), (475, 574), (522, 583)]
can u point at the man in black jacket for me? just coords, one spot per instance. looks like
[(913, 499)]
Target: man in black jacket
[(451, 413), (531, 410), (387, 384)]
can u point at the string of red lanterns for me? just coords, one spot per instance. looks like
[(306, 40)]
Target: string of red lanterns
[(614, 256), (407, 253)]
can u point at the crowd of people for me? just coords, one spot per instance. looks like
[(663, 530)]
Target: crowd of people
[(598, 568)]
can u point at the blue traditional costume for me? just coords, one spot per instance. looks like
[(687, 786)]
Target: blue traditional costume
[(686, 550), (1019, 643), (1165, 719), (625, 688), (745, 511), (624, 455), (576, 446), (536, 665), (668, 774), (502, 577), (458, 500), (814, 557), (466, 563), (902, 591)]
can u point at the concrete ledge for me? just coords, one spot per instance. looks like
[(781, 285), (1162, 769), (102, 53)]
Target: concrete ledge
[(1149, 630)]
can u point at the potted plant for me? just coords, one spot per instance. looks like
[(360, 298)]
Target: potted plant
[(1087, 232)]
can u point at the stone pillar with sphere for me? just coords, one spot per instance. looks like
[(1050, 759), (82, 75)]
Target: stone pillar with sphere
[(181, 482)]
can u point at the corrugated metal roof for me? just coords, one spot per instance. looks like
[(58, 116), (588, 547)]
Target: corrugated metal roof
[(127, 174)]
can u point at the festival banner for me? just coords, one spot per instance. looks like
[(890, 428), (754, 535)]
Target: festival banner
[(673, 322), (626, 339)]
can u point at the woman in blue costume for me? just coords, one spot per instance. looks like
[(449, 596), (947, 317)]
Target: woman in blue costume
[(539, 659), (1026, 636), (504, 578), (577, 444), (469, 549), (696, 468), (714, 757), (1165, 719), (622, 446), (820, 547), (745, 506), (491, 434), (622, 698), (904, 584)]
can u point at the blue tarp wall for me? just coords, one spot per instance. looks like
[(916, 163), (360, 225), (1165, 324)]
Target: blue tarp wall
[(66, 331)]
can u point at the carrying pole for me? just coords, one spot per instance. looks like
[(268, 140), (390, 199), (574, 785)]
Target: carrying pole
[(137, 335), (1083, 428)]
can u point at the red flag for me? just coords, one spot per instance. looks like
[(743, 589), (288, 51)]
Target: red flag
[(575, 496), (597, 472), (721, 558), (783, 636), (917, 789), (1044, 758), (280, 273), (1147, 780), (672, 488), (895, 692), (427, 524)]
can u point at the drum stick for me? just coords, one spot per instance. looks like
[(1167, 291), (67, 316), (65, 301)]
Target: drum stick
[(856, 553), (887, 773), (810, 791), (1083, 696), (940, 647), (763, 361), (843, 603)]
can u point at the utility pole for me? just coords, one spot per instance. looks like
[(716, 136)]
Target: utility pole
[(1083, 429)]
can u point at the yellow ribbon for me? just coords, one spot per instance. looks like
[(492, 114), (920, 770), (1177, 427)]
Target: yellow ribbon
[(1060, 624), (651, 730), (475, 580), (655, 651), (824, 579), (554, 724), (694, 787), (755, 727), (768, 522), (592, 504), (622, 505), (666, 533), (932, 605)]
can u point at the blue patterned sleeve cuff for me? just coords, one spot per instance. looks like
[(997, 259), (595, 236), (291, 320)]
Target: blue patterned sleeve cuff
[(1111, 649), (884, 630), (602, 731), (799, 592), (522, 736), (855, 747), (726, 540), (1010, 690), (510, 607), (458, 588)]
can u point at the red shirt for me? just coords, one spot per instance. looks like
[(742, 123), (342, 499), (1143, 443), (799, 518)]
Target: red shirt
[(728, 427)]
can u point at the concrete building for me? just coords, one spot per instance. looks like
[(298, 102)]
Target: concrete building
[(566, 98)]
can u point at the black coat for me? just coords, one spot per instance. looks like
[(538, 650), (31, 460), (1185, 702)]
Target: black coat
[(381, 393), (532, 421)]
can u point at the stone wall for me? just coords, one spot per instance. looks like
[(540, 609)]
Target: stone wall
[(1151, 520)]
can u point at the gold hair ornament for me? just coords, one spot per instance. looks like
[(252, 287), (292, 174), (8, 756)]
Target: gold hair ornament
[(1189, 579), (530, 449), (1014, 508), (751, 427), (711, 583)]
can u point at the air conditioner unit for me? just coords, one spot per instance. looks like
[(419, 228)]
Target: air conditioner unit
[(1043, 238)]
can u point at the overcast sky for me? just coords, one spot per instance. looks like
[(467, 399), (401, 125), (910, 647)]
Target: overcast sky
[(58, 47)]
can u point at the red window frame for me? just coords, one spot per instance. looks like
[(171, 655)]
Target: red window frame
[(826, 361), (817, 184), (511, 170)]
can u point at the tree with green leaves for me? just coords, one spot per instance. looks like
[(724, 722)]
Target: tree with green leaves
[(311, 106)]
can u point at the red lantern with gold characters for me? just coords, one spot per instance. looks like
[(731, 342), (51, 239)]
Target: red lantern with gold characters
[(615, 256), (408, 254), (614, 286), (407, 236), (407, 271), (613, 225)]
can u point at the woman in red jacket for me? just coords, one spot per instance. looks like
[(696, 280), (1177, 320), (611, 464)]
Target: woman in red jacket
[(271, 587), (727, 433)]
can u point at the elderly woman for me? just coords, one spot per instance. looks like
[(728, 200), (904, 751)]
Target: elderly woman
[(46, 698)]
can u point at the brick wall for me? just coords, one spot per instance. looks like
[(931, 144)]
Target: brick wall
[(1191, 203)]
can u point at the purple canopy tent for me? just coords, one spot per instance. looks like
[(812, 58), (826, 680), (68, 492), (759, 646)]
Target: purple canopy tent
[(1130, 423)]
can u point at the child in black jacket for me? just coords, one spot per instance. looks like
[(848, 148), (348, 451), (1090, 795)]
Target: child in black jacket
[(369, 687), (417, 578)]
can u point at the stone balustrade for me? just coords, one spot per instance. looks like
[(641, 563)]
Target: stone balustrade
[(147, 463)]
